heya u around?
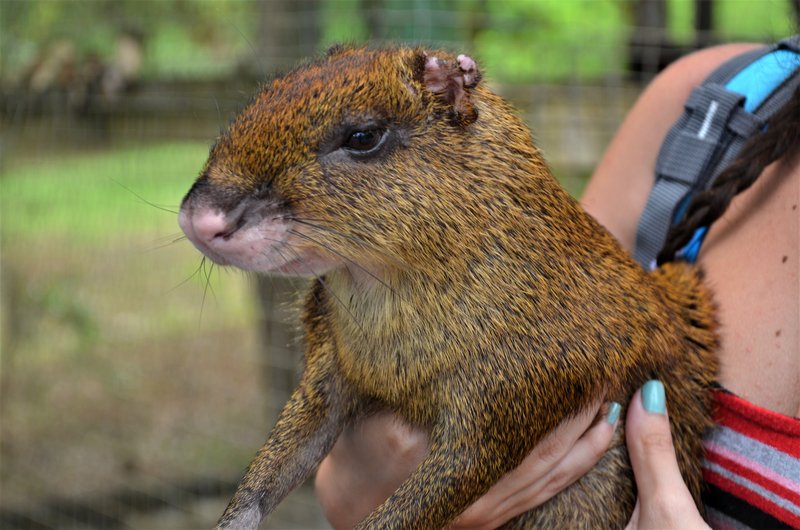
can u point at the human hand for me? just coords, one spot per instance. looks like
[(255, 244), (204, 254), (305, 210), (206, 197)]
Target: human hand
[(664, 500), (372, 459), (558, 460), (369, 461)]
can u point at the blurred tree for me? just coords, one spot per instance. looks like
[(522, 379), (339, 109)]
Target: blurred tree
[(704, 23), (374, 18), (649, 46)]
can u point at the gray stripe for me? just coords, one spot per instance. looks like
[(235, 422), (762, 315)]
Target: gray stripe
[(782, 463), (752, 486)]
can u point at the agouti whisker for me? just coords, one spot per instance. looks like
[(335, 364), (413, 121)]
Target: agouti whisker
[(348, 260)]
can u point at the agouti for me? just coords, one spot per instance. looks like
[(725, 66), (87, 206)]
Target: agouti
[(454, 283)]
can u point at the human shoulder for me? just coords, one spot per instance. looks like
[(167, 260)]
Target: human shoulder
[(694, 67)]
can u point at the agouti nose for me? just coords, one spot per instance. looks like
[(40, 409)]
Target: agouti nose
[(209, 224), (203, 225)]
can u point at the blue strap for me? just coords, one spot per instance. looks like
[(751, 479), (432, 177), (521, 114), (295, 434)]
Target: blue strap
[(689, 252), (760, 78)]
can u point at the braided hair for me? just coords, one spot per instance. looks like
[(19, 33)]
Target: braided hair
[(780, 140)]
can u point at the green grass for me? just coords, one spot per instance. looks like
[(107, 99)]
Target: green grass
[(95, 236), (95, 197)]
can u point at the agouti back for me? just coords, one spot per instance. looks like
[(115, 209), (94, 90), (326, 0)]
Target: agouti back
[(454, 283)]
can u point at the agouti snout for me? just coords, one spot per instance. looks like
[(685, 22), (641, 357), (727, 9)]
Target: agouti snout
[(455, 284)]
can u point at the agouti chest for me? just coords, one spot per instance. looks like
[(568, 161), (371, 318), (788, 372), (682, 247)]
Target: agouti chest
[(399, 354), (401, 372)]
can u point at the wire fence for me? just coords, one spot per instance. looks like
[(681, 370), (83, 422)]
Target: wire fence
[(135, 382)]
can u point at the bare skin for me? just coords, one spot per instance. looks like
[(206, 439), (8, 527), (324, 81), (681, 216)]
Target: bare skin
[(751, 262)]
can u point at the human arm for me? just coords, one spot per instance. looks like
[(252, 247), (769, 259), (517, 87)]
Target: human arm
[(750, 255), (390, 450)]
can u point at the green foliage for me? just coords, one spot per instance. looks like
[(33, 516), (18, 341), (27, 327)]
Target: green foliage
[(759, 20), (185, 38), (520, 40), (746, 19), (204, 38), (344, 22), (552, 39), (680, 16)]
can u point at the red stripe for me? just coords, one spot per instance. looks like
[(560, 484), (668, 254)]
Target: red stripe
[(751, 498), (753, 476), (768, 427)]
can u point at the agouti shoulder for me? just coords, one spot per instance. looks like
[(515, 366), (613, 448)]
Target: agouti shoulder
[(455, 283)]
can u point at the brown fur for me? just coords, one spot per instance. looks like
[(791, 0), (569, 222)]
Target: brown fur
[(475, 297)]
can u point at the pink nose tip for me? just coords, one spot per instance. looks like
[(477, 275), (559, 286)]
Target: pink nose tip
[(203, 225), (209, 224)]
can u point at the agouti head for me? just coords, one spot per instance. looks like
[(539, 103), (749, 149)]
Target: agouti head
[(381, 157)]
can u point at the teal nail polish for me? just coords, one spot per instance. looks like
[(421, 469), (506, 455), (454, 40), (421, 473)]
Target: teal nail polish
[(613, 412), (653, 397)]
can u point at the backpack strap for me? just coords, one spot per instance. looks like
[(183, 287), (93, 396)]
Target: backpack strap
[(733, 103)]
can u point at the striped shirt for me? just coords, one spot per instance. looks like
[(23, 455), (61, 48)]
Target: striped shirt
[(752, 467)]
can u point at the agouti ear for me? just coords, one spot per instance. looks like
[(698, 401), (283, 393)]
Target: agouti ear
[(451, 83)]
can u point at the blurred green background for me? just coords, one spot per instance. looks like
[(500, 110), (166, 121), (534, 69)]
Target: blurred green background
[(135, 382)]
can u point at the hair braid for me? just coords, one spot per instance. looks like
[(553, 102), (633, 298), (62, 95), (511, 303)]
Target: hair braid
[(780, 139)]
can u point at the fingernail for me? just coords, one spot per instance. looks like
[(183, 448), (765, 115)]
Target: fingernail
[(613, 412), (653, 397)]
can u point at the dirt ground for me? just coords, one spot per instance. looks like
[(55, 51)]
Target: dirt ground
[(117, 376)]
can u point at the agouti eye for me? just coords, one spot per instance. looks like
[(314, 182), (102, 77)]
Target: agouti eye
[(364, 140)]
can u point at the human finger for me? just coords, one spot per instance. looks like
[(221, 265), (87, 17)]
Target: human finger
[(664, 499)]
